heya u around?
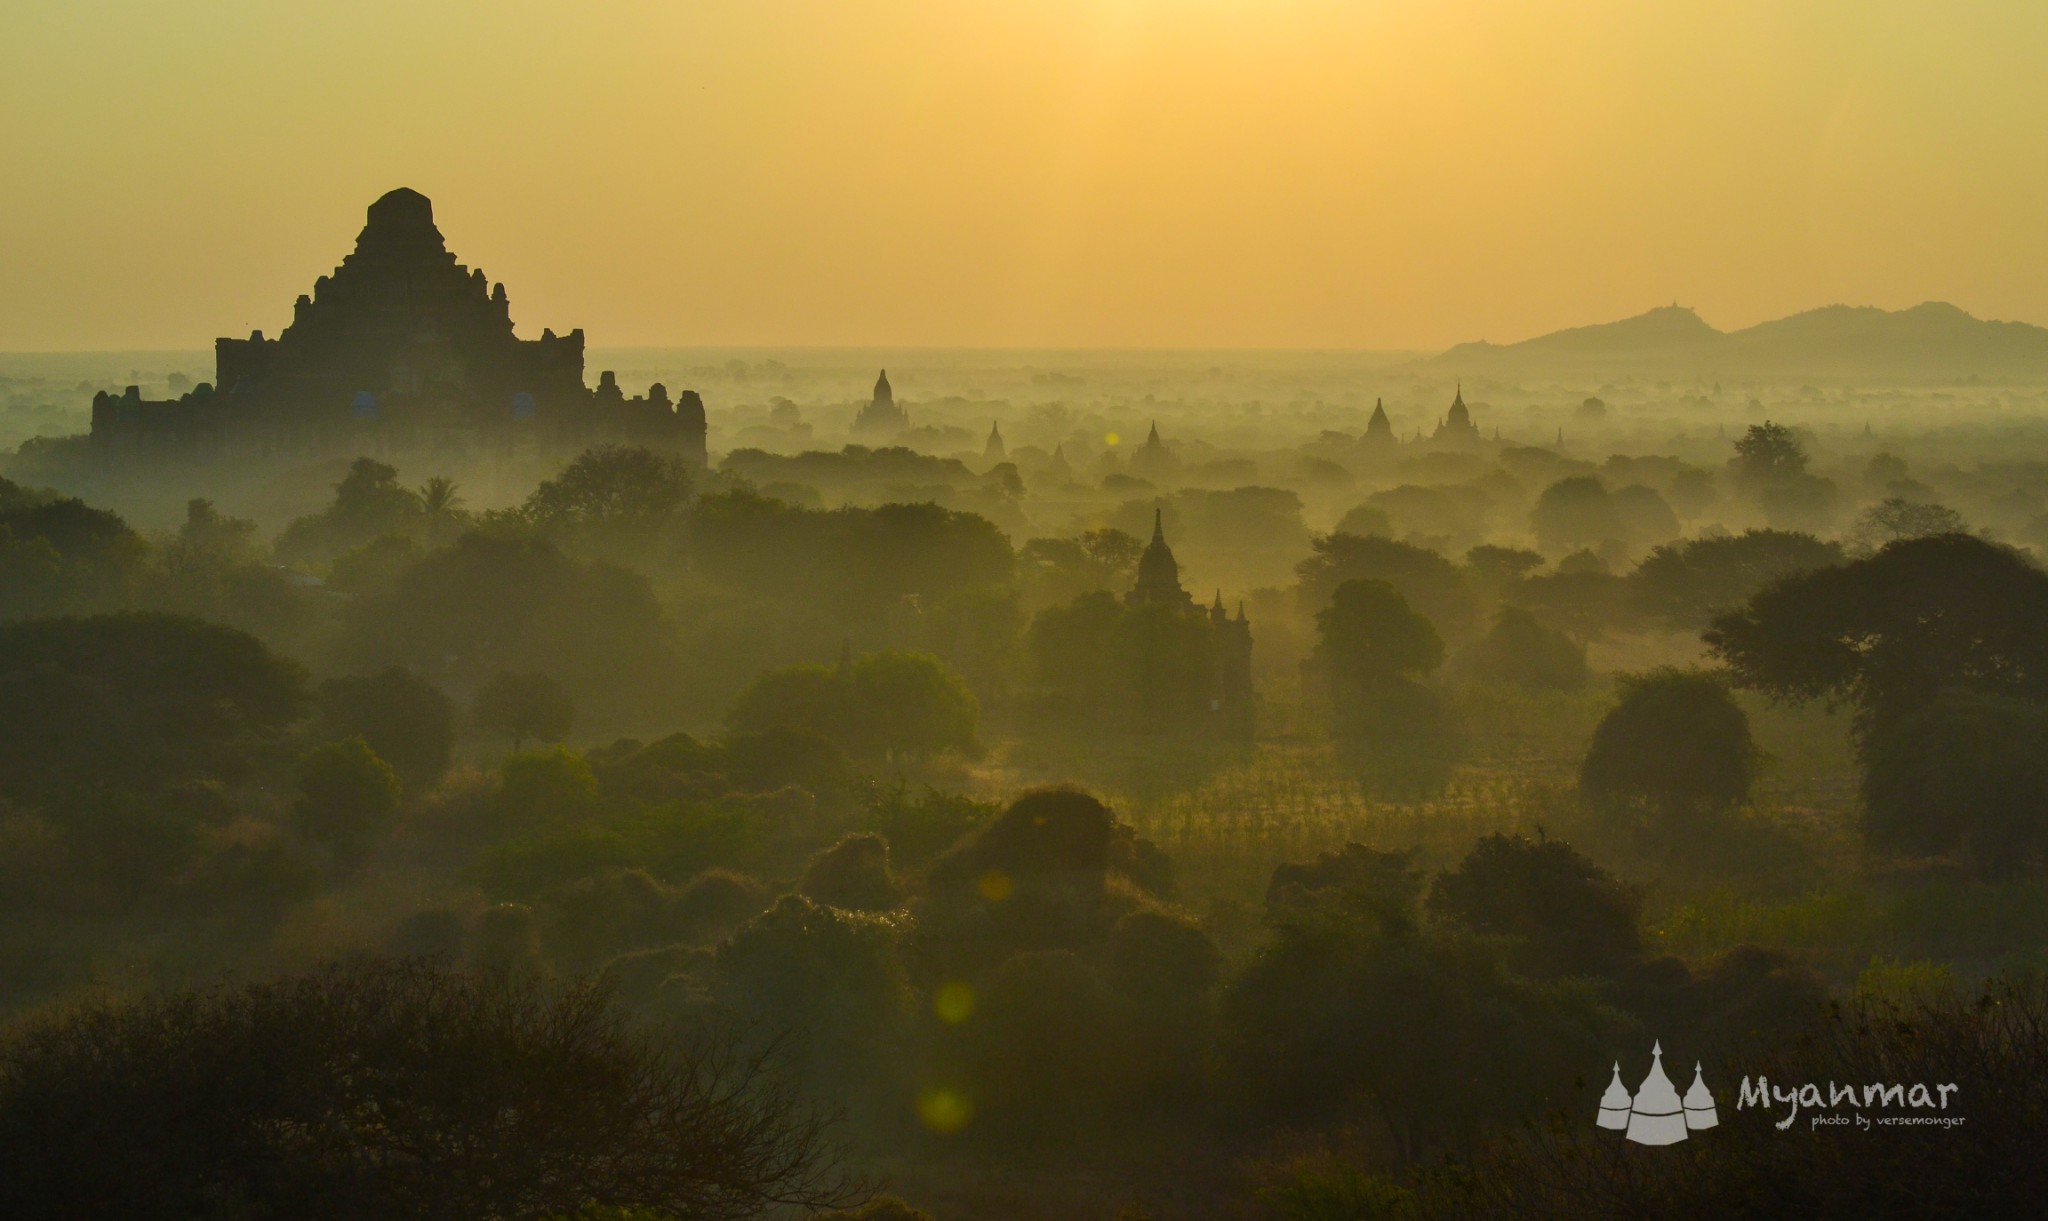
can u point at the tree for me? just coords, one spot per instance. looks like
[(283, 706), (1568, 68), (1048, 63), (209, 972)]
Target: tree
[(406, 720), (441, 509), (60, 555), (1347, 1015), (212, 535), (1568, 916), (368, 502), (1522, 652), (464, 1096), (1771, 463), (1368, 636), (497, 602), (1768, 453), (1371, 649), (1675, 744), (882, 703), (1498, 568), (1968, 771), (1891, 632), (624, 492), (1575, 512), (1114, 554), (138, 702), (523, 706), (346, 797), (1432, 584), (1896, 518), (1936, 641), (1686, 584)]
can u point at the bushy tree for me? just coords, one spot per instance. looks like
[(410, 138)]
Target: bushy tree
[(860, 560), (1967, 771), (1368, 636), (1497, 569), (882, 703), (1769, 453), (465, 1096), (368, 502), (613, 493), (1567, 916), (517, 604), (1348, 1015), (60, 556), (523, 706), (853, 874), (1896, 518), (1675, 745), (347, 796), (827, 980), (1686, 584), (1522, 652), (1575, 512), (1371, 649), (1770, 462), (1891, 632), (1433, 585), (136, 701), (406, 720)]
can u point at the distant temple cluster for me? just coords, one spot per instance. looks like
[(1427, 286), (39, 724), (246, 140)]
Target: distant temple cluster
[(1228, 643), (401, 344), (1454, 430)]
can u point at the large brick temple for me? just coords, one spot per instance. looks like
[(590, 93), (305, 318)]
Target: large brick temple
[(401, 345)]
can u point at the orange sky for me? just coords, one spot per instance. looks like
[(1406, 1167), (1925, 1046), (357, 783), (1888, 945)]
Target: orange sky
[(1258, 173)]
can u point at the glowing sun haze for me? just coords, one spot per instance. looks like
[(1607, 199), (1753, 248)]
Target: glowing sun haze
[(1311, 173)]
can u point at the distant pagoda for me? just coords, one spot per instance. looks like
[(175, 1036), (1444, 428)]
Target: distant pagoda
[(1158, 581), (1456, 427), (1226, 642), (882, 419), (1379, 430)]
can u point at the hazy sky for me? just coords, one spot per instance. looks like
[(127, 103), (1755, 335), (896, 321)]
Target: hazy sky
[(1317, 173)]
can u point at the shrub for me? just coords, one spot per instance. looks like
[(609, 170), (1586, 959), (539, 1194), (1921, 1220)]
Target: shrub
[(1567, 915), (467, 1096), (347, 796), (854, 874), (407, 720), (1676, 744)]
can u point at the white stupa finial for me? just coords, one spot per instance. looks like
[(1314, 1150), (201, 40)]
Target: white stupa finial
[(1615, 1103), (1656, 1117), (1699, 1103)]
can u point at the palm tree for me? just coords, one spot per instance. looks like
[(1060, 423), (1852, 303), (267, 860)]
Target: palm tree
[(443, 505)]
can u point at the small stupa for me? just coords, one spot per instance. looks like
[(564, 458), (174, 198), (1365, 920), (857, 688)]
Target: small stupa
[(1699, 1103), (1615, 1103), (1656, 1118)]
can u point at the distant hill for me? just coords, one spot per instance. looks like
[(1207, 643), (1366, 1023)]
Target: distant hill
[(1935, 341)]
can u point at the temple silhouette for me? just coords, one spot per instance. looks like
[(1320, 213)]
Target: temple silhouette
[(1226, 644), (401, 345), (883, 418)]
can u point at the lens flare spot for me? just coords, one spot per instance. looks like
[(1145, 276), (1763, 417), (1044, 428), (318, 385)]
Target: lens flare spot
[(953, 1002), (1112, 438), (944, 1111), (996, 886)]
